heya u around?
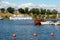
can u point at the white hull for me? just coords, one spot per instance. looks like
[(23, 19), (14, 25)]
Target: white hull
[(20, 17), (50, 23), (47, 22), (57, 23)]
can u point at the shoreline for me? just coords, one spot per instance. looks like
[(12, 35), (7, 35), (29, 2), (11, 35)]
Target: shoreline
[(52, 16)]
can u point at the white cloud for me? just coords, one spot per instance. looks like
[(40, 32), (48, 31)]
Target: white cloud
[(3, 2), (25, 5), (51, 6), (30, 5), (7, 4)]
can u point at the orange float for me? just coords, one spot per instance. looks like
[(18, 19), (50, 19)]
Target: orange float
[(52, 34), (14, 35), (35, 35)]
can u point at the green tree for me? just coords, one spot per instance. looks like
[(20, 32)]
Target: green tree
[(21, 10), (2, 10), (35, 11), (48, 11), (26, 10), (42, 11), (54, 11), (10, 10)]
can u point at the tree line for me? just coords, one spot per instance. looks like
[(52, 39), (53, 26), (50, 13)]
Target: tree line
[(36, 11)]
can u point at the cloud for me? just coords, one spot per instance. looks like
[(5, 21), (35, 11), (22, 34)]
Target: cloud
[(6, 4), (25, 5), (50, 6)]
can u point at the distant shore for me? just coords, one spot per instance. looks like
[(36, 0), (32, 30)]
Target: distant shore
[(39, 13), (7, 15)]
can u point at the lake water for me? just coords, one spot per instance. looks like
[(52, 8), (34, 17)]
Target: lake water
[(24, 30)]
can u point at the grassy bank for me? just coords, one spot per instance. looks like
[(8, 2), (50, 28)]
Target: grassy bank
[(7, 15), (52, 16)]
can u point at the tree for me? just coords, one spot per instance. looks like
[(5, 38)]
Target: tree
[(21, 10), (54, 11), (10, 10), (48, 11), (35, 11), (26, 10), (42, 11), (2, 10)]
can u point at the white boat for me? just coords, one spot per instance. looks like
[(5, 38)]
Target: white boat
[(57, 23), (20, 17), (47, 22)]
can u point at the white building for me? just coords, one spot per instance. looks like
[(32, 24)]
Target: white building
[(58, 16), (1, 17)]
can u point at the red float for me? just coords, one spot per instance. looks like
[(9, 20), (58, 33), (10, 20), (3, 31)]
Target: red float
[(52, 34), (35, 35), (14, 35)]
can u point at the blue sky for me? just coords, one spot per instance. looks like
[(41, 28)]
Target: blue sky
[(47, 4), (34, 1)]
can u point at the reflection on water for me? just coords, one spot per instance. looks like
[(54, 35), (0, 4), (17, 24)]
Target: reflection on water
[(24, 29)]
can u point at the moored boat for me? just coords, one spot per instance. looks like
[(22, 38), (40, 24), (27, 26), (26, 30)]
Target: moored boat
[(20, 17), (57, 23), (37, 22)]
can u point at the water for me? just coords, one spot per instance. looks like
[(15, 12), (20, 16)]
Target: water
[(24, 30)]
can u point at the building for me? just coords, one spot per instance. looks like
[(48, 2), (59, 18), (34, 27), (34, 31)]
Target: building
[(58, 15)]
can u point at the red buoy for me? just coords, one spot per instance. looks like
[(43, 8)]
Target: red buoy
[(35, 35), (14, 35), (52, 34)]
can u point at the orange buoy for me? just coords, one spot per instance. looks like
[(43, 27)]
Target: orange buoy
[(14, 35), (52, 34), (35, 35)]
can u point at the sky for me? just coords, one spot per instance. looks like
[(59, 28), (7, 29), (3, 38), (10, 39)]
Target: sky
[(48, 4)]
